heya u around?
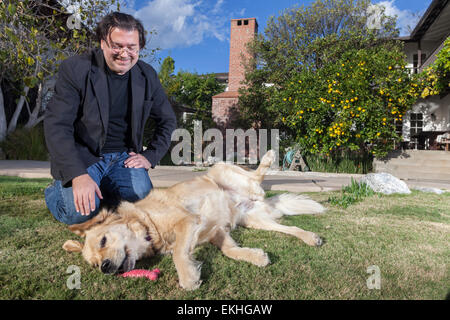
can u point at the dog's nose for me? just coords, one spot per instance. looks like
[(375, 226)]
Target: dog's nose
[(106, 266)]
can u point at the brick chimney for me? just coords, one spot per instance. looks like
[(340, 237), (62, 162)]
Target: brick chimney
[(225, 104), (242, 32)]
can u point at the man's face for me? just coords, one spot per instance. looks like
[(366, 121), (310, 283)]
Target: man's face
[(121, 52)]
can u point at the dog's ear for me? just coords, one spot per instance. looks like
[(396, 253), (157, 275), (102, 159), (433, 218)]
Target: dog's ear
[(81, 228), (73, 246)]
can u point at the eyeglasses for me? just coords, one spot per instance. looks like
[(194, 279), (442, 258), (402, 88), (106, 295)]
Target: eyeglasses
[(118, 50)]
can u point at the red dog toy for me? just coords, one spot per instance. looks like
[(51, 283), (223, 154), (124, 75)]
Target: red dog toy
[(142, 273)]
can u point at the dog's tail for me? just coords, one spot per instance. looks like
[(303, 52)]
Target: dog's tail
[(265, 163), (292, 204)]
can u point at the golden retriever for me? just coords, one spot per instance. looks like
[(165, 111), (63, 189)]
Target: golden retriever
[(177, 219)]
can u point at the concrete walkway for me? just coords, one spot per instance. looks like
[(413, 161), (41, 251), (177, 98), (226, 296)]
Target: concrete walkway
[(166, 176)]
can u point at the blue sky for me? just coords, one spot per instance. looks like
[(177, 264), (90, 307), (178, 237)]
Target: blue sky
[(195, 33)]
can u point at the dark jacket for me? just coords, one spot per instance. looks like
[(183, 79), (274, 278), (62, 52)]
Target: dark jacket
[(76, 118)]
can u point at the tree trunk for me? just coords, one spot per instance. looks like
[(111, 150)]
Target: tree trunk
[(33, 118), (13, 123), (3, 124)]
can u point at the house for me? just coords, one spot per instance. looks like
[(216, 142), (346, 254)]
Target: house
[(428, 118), (428, 121)]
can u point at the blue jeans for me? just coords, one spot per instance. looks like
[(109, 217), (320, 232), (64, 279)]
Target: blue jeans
[(116, 183)]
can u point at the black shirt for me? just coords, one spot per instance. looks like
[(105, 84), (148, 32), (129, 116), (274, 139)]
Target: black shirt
[(118, 135)]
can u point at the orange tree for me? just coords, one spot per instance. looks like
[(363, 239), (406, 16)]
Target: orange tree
[(353, 103), (327, 81), (436, 78)]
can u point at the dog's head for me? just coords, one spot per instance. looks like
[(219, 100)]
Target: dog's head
[(114, 241)]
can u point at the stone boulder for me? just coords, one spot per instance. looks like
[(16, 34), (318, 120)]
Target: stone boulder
[(385, 183)]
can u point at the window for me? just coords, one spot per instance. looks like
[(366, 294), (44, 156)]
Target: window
[(416, 127), (416, 122), (245, 22), (239, 23)]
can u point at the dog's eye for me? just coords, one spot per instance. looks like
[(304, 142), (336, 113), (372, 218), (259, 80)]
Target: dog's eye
[(103, 242)]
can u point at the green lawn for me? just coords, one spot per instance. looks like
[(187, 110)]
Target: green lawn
[(407, 237)]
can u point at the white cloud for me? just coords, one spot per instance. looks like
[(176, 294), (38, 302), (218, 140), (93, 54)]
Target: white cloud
[(182, 23), (242, 12), (217, 6), (406, 19)]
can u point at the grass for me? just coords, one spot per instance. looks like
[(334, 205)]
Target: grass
[(351, 194), (406, 236)]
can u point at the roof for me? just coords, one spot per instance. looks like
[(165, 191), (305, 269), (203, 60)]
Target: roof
[(404, 38), (221, 77), (434, 10)]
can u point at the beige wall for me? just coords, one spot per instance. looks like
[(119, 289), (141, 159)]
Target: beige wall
[(436, 114), (428, 48)]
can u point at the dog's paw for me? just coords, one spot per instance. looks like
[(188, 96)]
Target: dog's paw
[(190, 275), (190, 285), (319, 241), (261, 259), (268, 158), (313, 240)]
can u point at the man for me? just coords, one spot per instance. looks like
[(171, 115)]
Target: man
[(94, 124)]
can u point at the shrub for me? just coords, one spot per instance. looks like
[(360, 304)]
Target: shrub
[(26, 144), (352, 104), (343, 163)]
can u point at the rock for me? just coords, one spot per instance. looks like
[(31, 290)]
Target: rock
[(385, 183), (430, 190)]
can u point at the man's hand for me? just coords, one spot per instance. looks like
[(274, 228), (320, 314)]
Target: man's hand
[(84, 190), (137, 161)]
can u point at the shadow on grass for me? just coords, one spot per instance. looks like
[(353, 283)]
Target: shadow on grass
[(149, 263)]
